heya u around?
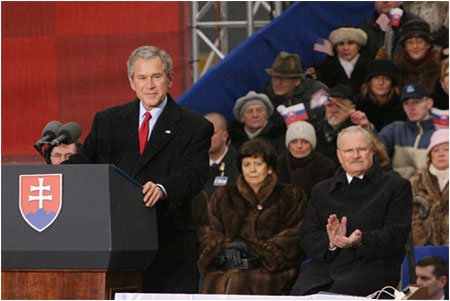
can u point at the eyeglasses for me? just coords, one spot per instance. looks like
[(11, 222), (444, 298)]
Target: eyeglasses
[(413, 101), (359, 150)]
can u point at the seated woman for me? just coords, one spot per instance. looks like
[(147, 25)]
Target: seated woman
[(430, 191), (440, 95), (302, 166), (251, 243), (349, 66), (380, 95), (419, 62)]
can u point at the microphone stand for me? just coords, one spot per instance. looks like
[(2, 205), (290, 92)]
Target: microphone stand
[(47, 152)]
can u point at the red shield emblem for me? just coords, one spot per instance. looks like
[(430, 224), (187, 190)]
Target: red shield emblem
[(40, 199)]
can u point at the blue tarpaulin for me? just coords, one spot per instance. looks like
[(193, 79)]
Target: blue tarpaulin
[(243, 69)]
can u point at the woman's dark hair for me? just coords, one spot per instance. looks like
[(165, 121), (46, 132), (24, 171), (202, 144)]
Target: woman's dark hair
[(257, 147)]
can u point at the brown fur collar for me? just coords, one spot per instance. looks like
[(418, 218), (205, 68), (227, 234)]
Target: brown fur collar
[(264, 192), (404, 64)]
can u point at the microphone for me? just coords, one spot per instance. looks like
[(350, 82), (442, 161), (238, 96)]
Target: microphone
[(49, 132), (67, 134)]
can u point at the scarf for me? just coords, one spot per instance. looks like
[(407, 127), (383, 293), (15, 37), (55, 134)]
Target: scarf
[(441, 175)]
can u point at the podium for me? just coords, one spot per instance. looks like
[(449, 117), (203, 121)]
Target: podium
[(95, 236)]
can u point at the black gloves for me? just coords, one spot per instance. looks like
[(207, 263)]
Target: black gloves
[(237, 250)]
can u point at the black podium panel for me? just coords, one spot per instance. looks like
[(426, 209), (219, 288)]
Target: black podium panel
[(102, 224)]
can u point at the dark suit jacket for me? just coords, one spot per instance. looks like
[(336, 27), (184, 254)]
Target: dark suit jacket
[(176, 156), (380, 206)]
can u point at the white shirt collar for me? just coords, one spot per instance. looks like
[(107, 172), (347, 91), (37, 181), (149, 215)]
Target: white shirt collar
[(349, 65), (156, 111), (211, 162), (350, 178)]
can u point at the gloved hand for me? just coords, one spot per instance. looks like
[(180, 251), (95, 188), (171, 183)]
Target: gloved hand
[(245, 250), (232, 255)]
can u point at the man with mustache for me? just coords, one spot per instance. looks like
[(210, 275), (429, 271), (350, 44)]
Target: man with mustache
[(339, 112), (356, 224)]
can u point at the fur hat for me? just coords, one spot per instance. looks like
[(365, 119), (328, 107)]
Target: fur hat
[(415, 28), (348, 33), (252, 98), (301, 130), (286, 66), (381, 67), (439, 136)]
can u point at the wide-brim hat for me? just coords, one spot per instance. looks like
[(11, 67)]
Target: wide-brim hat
[(381, 67), (286, 66), (415, 28), (251, 98), (348, 34)]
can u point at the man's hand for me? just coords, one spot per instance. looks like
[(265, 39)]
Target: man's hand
[(311, 71), (152, 193), (360, 118), (335, 228), (348, 242)]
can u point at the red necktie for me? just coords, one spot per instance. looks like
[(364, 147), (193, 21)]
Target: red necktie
[(143, 132)]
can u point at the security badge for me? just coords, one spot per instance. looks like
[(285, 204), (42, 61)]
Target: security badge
[(221, 180)]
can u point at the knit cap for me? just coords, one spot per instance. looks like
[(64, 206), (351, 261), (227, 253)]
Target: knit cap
[(439, 136), (381, 67), (251, 98), (301, 130)]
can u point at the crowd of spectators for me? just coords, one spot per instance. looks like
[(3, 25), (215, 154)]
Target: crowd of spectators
[(380, 89)]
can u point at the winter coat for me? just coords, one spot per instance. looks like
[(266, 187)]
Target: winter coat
[(301, 94), (381, 114), (406, 143), (305, 172), (331, 73), (429, 227), (440, 97), (272, 133), (425, 73), (268, 222), (380, 206)]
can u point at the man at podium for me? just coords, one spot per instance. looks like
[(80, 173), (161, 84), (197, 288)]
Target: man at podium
[(165, 148)]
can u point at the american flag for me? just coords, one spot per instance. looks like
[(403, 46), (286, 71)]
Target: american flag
[(440, 118), (323, 45), (383, 21)]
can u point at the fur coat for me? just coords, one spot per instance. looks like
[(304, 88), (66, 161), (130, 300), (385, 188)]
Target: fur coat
[(271, 231), (430, 210), (425, 73)]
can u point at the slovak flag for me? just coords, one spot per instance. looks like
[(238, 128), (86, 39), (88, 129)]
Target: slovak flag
[(293, 113), (440, 118), (329, 101)]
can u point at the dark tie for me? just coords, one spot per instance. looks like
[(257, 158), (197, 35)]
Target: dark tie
[(214, 165), (143, 132)]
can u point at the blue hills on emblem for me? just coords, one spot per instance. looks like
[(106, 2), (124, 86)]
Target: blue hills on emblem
[(40, 219)]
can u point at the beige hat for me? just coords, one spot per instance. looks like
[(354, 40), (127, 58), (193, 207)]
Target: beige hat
[(301, 130), (252, 98), (348, 34), (286, 66)]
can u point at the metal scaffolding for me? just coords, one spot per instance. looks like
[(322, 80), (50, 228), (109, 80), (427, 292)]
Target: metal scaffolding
[(219, 47)]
